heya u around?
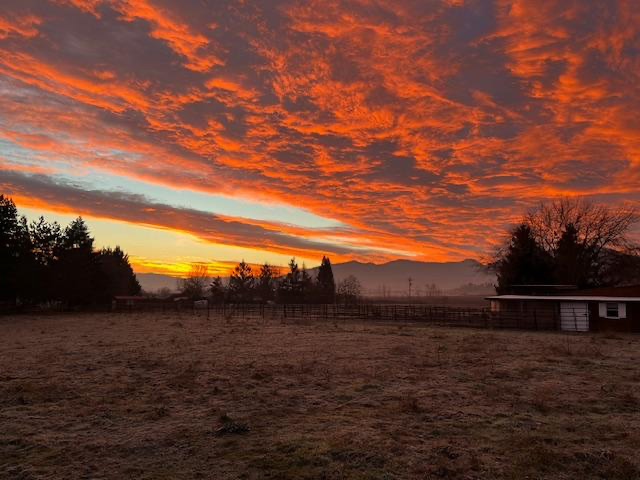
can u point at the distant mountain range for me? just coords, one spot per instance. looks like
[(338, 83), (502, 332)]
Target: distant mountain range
[(152, 282), (462, 278), (457, 278)]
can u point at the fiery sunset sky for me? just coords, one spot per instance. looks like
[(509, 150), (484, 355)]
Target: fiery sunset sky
[(218, 130)]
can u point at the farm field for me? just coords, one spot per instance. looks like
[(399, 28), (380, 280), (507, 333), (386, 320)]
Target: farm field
[(167, 396)]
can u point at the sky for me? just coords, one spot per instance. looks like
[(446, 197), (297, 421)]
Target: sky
[(215, 131)]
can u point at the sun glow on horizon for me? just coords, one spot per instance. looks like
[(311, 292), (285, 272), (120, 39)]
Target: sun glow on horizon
[(360, 130), (153, 250)]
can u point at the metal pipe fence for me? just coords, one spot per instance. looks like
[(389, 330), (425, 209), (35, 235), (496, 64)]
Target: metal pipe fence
[(301, 313)]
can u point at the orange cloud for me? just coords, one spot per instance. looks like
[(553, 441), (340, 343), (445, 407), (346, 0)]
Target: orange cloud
[(422, 127), (23, 26), (170, 29)]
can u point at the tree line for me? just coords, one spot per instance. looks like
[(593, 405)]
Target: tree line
[(43, 262), (570, 241), (268, 284)]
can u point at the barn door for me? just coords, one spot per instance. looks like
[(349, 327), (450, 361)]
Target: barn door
[(574, 316)]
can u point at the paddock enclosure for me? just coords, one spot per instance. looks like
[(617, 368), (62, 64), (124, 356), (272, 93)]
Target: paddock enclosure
[(177, 395), (429, 314)]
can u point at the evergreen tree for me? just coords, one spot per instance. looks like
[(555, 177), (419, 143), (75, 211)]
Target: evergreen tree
[(290, 287), (46, 240), (77, 273), (40, 262), (16, 259), (77, 237), (218, 291), (294, 271), (241, 283), (307, 288), (326, 285), (266, 283), (585, 239), (571, 264), (523, 263), (8, 227), (116, 274), (25, 263)]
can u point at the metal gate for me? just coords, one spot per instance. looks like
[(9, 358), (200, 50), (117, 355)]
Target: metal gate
[(574, 316)]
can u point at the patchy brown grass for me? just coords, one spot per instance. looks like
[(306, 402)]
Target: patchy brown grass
[(176, 397)]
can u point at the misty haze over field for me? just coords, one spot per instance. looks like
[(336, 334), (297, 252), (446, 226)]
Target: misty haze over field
[(391, 277)]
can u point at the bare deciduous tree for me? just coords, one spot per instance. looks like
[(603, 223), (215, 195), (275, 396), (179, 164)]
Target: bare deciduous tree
[(349, 290), (570, 241), (195, 285), (598, 227)]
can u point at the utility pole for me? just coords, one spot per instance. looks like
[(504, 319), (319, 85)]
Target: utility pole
[(410, 283)]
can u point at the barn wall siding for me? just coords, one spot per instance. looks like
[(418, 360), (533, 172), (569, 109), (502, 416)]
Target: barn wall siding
[(549, 315), (631, 322)]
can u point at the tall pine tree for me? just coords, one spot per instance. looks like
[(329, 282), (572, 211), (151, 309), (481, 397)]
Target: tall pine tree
[(16, 258), (571, 265), (326, 285), (116, 276), (77, 271), (523, 263), (266, 282), (241, 283)]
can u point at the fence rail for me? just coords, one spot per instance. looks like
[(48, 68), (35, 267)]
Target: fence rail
[(297, 313)]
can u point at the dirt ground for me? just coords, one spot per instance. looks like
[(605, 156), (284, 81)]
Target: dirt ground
[(152, 396)]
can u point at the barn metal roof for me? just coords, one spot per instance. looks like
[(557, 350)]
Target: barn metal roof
[(565, 298)]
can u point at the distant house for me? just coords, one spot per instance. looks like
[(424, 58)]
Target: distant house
[(598, 309)]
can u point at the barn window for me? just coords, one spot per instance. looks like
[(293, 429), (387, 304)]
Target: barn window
[(613, 310)]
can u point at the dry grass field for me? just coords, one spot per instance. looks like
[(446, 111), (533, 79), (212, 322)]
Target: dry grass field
[(152, 396)]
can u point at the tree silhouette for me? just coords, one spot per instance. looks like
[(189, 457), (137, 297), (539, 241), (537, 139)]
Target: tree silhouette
[(116, 274), (77, 237), (570, 241), (218, 291), (290, 287), (349, 290), (266, 288), (306, 294), (326, 285), (194, 285), (16, 258), (593, 235), (40, 262), (77, 271), (523, 262), (46, 240), (571, 263), (241, 283)]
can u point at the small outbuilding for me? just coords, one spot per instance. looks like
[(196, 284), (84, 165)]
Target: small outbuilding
[(599, 309)]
